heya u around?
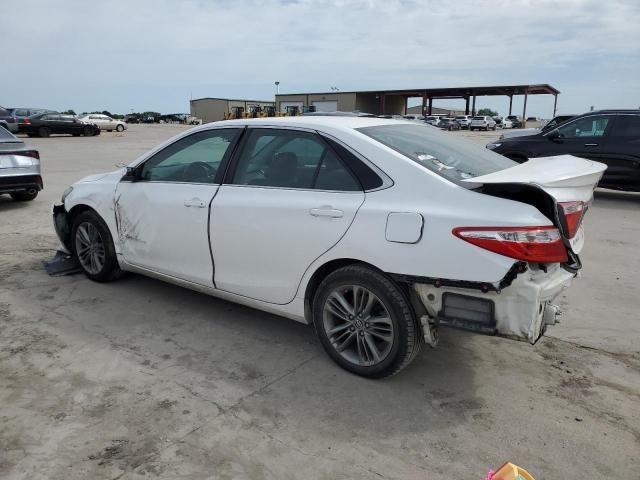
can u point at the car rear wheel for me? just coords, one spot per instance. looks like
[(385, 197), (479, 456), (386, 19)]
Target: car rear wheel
[(44, 132), (119, 128), (365, 322), (93, 246), (26, 196)]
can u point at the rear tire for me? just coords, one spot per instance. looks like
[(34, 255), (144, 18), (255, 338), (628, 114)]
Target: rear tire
[(93, 247), (44, 132), (24, 196), (365, 322)]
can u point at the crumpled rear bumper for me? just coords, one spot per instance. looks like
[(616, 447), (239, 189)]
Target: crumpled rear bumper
[(521, 311)]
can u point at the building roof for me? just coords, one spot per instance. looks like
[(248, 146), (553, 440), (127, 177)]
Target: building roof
[(452, 92), (231, 100)]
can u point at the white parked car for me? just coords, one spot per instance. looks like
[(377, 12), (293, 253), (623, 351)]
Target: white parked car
[(464, 120), (433, 120), (506, 123), (104, 122), (482, 123), (324, 220)]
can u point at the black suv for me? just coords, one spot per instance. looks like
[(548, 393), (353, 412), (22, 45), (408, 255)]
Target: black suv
[(608, 136)]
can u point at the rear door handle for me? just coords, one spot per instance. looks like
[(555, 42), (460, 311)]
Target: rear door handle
[(326, 212), (590, 144), (194, 202)]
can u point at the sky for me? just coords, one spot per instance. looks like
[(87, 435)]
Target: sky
[(157, 54)]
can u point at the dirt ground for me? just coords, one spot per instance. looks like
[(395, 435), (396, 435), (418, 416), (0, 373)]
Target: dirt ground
[(141, 379)]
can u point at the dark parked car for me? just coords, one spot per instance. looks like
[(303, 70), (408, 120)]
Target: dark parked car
[(448, 124), (19, 168), (608, 136), (45, 124), (7, 120)]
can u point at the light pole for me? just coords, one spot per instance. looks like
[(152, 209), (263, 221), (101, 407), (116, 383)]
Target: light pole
[(277, 88)]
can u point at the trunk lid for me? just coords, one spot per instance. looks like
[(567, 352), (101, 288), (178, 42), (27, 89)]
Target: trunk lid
[(564, 178)]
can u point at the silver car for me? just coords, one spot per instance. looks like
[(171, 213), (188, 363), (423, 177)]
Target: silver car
[(482, 123), (19, 168), (104, 122)]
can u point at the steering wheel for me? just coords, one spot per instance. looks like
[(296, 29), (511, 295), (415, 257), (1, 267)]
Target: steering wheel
[(199, 170)]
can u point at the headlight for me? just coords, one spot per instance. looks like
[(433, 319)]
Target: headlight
[(491, 146), (66, 193)]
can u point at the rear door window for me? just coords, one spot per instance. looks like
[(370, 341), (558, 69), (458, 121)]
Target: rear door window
[(627, 126), (291, 159)]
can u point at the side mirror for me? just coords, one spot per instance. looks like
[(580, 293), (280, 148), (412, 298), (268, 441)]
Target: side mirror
[(554, 135), (131, 174)]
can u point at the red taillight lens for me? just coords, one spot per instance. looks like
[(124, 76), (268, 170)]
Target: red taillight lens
[(26, 121), (573, 213), (531, 244), (31, 153)]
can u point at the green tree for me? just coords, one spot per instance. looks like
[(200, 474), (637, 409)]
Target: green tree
[(487, 112), (69, 112)]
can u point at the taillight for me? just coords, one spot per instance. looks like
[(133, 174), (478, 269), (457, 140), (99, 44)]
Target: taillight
[(31, 153), (26, 121), (573, 213), (531, 244)]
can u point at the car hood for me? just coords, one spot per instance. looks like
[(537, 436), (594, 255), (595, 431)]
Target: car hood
[(114, 176), (565, 177)]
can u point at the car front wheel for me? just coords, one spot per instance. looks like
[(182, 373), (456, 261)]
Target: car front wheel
[(119, 128), (93, 246), (365, 322)]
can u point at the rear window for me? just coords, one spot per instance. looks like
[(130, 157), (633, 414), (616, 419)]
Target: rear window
[(5, 135), (478, 118), (461, 118), (450, 157)]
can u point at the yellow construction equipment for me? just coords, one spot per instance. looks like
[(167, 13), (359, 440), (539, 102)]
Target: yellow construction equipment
[(236, 112)]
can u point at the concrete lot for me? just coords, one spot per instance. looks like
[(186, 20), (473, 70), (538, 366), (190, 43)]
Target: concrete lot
[(141, 379)]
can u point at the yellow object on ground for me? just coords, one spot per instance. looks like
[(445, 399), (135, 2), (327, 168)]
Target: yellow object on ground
[(509, 471)]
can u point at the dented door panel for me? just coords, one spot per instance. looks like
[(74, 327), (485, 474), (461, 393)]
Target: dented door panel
[(164, 227)]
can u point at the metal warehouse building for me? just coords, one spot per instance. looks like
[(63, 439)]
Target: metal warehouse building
[(211, 109), (394, 102)]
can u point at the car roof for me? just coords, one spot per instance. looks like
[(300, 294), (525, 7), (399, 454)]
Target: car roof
[(340, 122)]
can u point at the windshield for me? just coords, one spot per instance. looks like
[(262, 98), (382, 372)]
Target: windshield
[(450, 157)]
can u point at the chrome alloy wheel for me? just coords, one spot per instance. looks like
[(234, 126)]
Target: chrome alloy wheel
[(358, 325), (90, 248)]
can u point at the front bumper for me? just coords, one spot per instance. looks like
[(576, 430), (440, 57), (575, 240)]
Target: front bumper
[(62, 226), (522, 310)]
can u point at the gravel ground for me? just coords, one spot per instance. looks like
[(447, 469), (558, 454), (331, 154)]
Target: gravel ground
[(141, 379)]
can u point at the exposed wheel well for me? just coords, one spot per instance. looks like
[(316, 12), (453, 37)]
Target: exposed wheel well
[(332, 266)]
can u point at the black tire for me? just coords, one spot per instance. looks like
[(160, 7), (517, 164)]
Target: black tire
[(119, 128), (110, 269), (24, 196), (44, 132), (406, 332), (109, 130), (88, 131)]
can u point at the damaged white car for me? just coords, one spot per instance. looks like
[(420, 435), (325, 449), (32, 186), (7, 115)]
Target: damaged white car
[(376, 232)]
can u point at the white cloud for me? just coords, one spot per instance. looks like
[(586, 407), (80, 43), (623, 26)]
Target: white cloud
[(107, 51)]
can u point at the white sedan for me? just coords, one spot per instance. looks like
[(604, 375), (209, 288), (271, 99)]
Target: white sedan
[(104, 122), (374, 231)]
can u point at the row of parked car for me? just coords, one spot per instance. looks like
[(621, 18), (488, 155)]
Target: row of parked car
[(470, 122), (40, 122)]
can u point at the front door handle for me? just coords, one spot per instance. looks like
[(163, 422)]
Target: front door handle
[(194, 202), (326, 212), (590, 144)]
